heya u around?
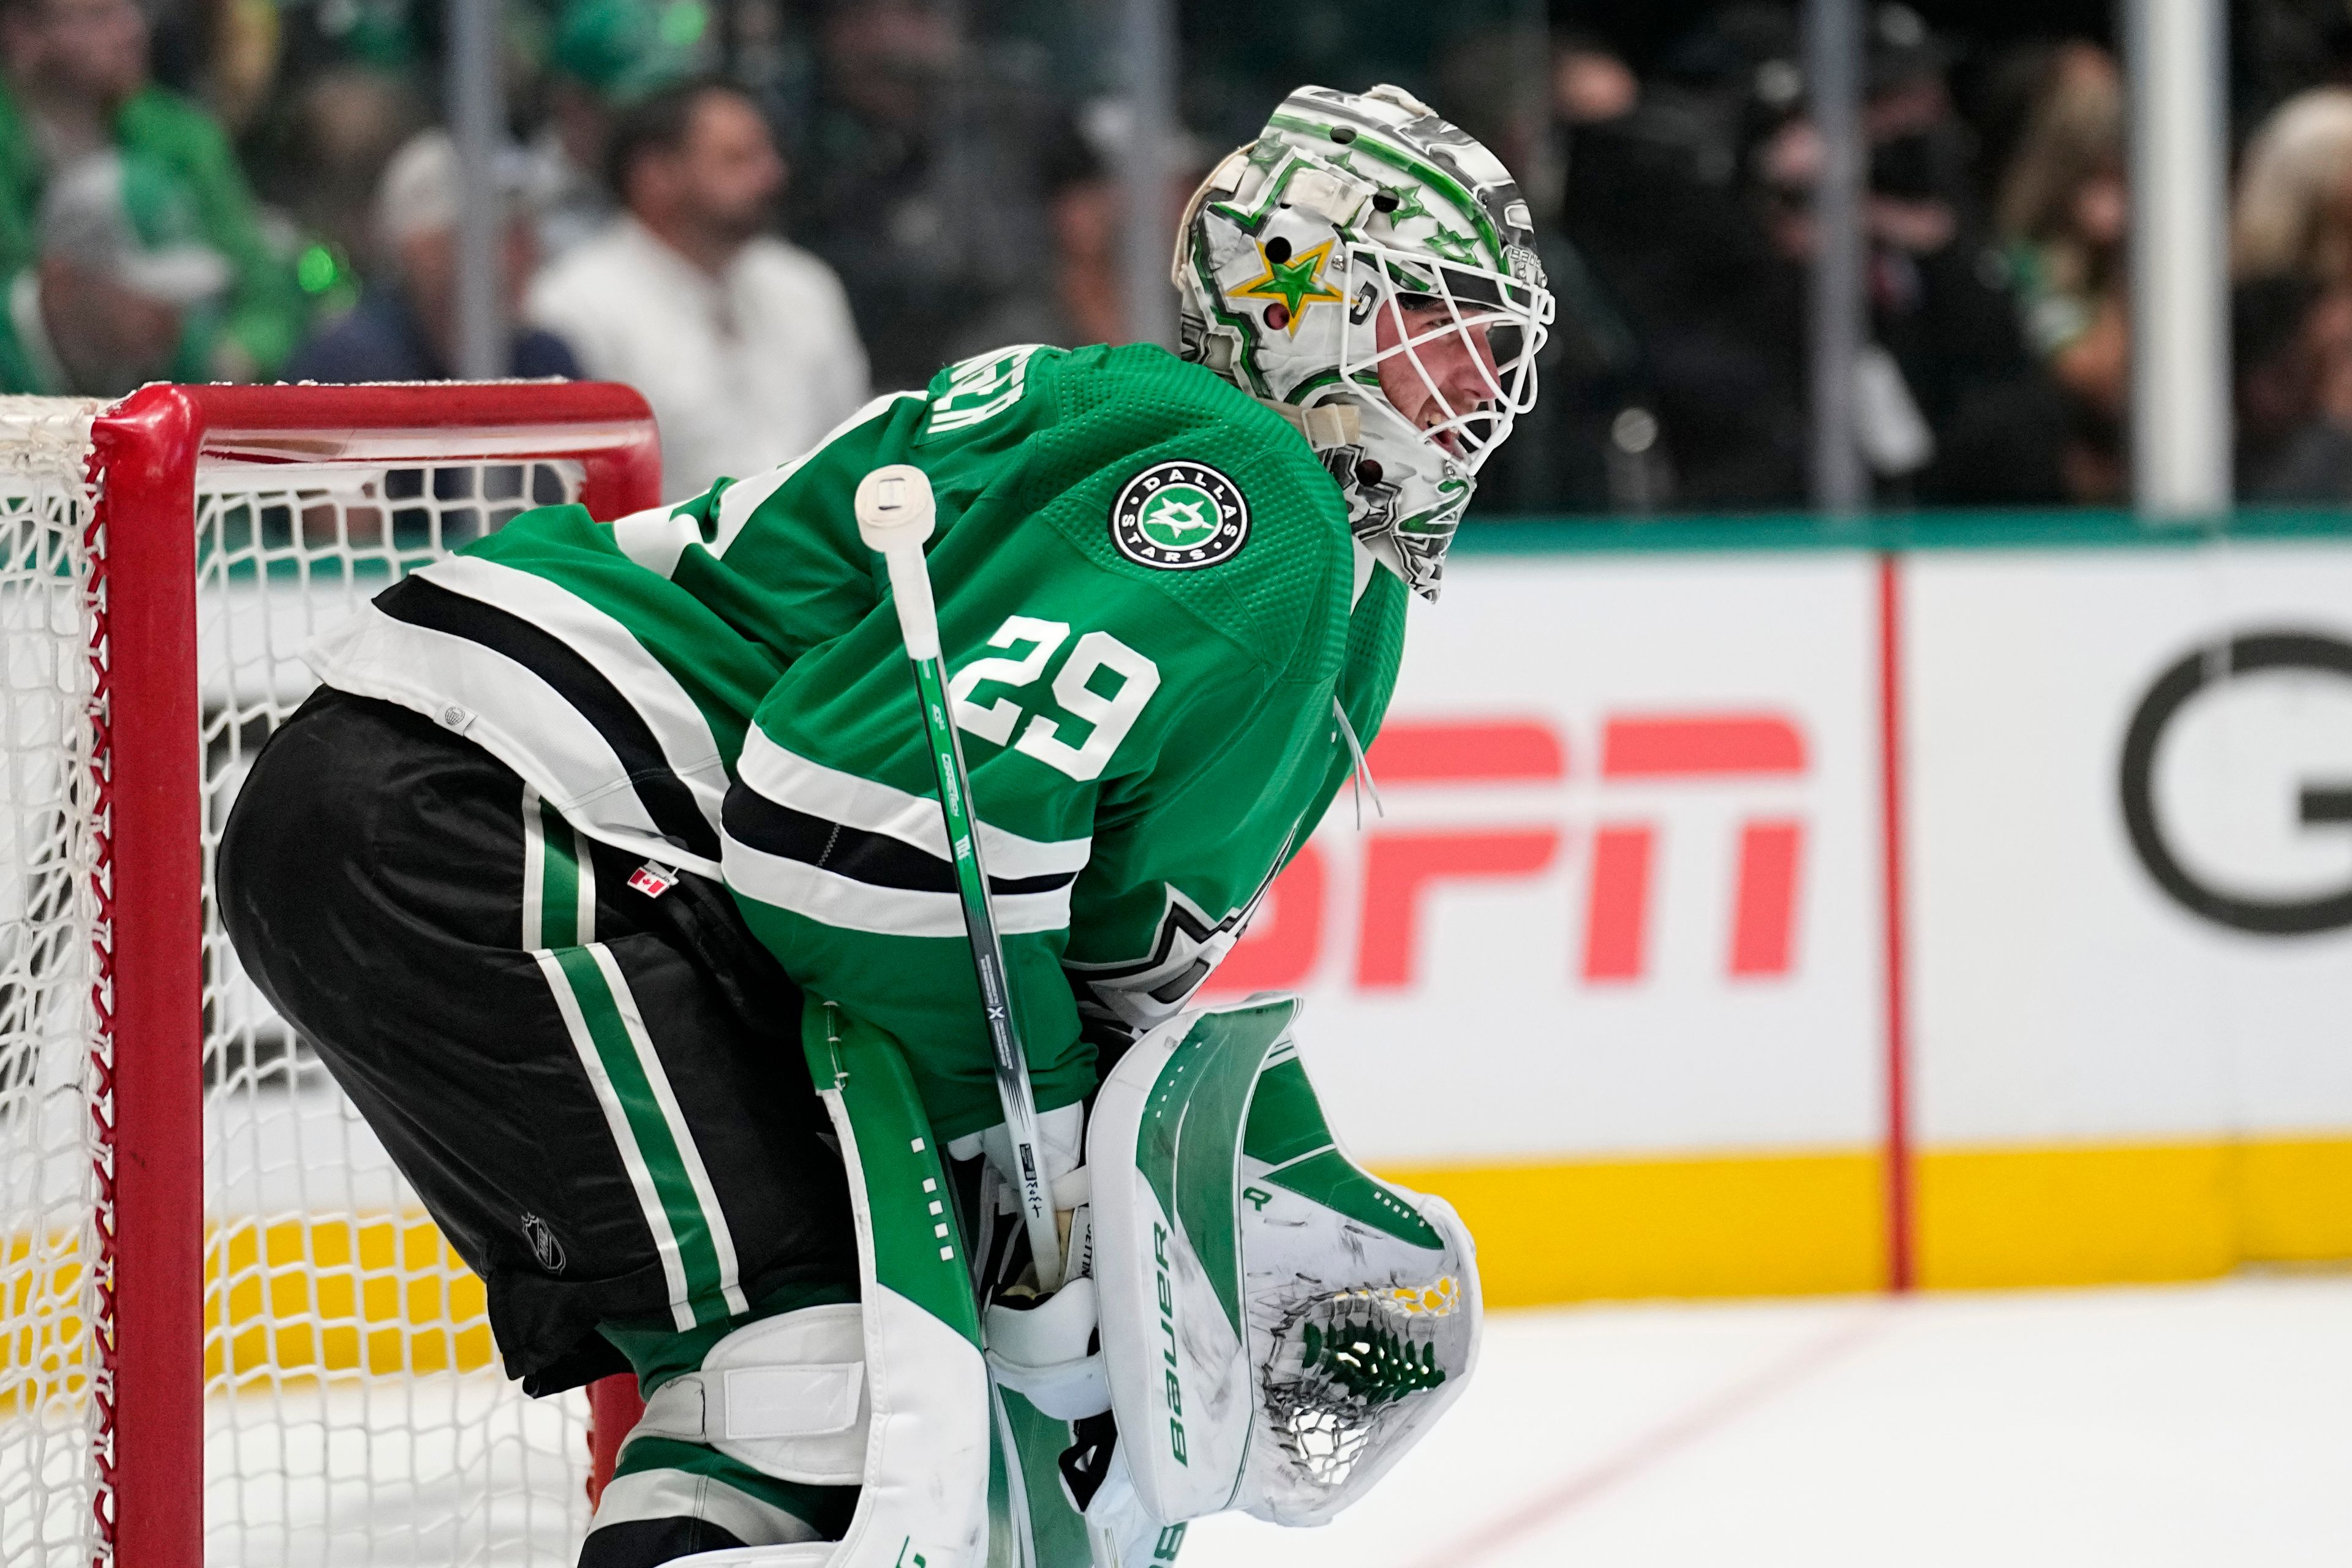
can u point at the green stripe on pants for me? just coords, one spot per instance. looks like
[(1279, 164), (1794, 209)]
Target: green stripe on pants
[(665, 1167), (559, 883), (559, 878)]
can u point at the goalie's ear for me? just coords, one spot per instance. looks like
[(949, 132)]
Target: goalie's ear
[(1279, 1324)]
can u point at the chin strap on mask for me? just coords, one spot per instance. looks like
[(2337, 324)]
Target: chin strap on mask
[(1325, 425)]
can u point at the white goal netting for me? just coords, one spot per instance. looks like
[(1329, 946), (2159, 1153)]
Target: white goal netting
[(354, 1412)]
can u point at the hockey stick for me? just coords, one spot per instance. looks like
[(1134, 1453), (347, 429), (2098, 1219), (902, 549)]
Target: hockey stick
[(895, 517)]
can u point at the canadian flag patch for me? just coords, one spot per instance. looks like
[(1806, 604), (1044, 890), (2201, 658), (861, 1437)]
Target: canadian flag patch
[(653, 879)]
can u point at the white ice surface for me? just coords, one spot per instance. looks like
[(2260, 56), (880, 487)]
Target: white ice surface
[(2193, 1425)]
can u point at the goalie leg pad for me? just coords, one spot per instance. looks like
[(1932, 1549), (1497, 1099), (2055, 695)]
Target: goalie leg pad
[(1280, 1325), (925, 1395)]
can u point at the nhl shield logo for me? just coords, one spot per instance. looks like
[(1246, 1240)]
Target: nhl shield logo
[(543, 1245), (1179, 517)]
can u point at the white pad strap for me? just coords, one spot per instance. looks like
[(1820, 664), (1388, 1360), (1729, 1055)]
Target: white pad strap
[(785, 1395)]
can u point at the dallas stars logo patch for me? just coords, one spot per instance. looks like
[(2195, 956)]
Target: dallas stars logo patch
[(1179, 517)]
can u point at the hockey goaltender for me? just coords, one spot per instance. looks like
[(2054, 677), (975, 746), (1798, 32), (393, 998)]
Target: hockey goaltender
[(607, 873)]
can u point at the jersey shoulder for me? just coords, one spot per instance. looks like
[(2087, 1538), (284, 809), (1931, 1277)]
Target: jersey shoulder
[(1139, 396), (1165, 474)]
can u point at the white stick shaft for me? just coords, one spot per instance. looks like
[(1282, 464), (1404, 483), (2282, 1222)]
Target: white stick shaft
[(895, 516), (910, 587)]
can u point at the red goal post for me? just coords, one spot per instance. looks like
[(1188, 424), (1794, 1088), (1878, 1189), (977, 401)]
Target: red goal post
[(151, 610)]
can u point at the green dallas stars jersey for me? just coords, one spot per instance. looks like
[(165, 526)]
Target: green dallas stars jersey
[(1150, 603)]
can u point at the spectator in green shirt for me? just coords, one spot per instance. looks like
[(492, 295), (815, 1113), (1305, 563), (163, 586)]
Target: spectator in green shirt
[(120, 293), (73, 81)]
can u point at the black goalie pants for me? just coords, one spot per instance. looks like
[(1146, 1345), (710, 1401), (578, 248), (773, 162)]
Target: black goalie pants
[(599, 1094)]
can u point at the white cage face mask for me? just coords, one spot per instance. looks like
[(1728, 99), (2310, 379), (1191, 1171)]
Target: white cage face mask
[(1452, 348)]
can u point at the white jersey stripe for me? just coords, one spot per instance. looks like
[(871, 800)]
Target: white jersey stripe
[(656, 537), (583, 867), (848, 904), (508, 710), (743, 497), (647, 684), (790, 779)]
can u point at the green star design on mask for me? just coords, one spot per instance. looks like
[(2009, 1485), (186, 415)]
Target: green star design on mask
[(1297, 282), (1408, 203), (1346, 163), (1266, 152), (1452, 245)]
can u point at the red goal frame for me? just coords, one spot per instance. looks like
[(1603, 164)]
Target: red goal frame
[(146, 451)]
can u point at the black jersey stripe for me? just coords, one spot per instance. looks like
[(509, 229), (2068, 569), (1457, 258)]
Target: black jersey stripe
[(875, 858), (421, 602)]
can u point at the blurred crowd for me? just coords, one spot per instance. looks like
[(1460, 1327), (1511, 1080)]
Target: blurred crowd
[(1997, 212), (755, 212), (761, 211)]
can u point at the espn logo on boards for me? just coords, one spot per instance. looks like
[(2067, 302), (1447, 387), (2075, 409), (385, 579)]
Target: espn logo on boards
[(1616, 884)]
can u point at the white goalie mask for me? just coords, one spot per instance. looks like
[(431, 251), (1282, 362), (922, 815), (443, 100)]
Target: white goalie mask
[(1278, 1325), (1369, 269)]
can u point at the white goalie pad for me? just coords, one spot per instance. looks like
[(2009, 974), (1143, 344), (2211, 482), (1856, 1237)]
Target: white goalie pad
[(891, 1393), (1280, 1325)]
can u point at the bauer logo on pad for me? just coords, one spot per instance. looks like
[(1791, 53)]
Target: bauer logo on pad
[(1179, 517)]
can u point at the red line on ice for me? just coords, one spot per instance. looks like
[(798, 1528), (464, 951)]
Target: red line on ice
[(1664, 1441)]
